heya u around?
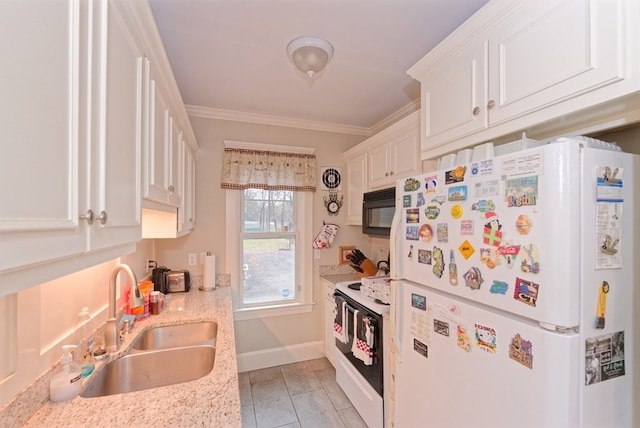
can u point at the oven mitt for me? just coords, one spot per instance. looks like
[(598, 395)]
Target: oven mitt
[(326, 236)]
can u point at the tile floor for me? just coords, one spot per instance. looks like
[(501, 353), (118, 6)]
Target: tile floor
[(299, 395)]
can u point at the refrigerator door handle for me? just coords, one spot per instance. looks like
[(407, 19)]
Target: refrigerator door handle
[(395, 271), (396, 317)]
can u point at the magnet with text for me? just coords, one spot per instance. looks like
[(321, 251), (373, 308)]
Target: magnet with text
[(526, 291), (412, 233), (456, 175), (530, 262), (430, 183), (453, 269), (441, 327), (509, 253), (486, 338), (522, 191), (473, 278), (466, 227), (438, 262), (492, 234), (456, 211), (457, 193), (602, 303), (411, 184), (425, 232), (420, 202), (407, 201), (466, 249), (523, 224), (521, 350), (413, 215)]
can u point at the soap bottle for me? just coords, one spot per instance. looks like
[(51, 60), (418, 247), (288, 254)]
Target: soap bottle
[(85, 342), (66, 383)]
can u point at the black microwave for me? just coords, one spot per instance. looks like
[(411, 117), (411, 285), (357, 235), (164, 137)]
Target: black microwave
[(378, 208)]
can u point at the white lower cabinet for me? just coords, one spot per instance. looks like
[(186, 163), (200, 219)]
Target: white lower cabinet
[(329, 317), (72, 138)]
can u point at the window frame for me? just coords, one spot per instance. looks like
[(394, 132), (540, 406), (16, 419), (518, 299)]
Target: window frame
[(304, 262)]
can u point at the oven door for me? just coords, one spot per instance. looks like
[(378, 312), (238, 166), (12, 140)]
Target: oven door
[(373, 373)]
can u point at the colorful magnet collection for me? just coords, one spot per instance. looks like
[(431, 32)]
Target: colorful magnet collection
[(497, 216)]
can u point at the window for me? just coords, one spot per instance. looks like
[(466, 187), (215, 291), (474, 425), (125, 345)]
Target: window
[(269, 235), (268, 242)]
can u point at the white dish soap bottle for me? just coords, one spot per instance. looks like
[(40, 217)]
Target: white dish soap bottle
[(67, 382)]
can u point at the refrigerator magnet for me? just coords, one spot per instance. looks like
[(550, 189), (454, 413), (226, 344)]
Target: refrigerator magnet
[(456, 211), (473, 278), (492, 235), (420, 202), (457, 193), (526, 291), (455, 175), (486, 338), (453, 269), (509, 253), (530, 263), (602, 304), (499, 287), (439, 199), (438, 262), (441, 327), (425, 232), (412, 233), (424, 257), (483, 205), (411, 184), (522, 192), (466, 249), (430, 183), (407, 201), (523, 224), (432, 212), (466, 227), (521, 350), (442, 231), (463, 340), (490, 257), (413, 215)]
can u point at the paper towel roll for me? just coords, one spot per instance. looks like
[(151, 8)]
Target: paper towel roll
[(209, 280)]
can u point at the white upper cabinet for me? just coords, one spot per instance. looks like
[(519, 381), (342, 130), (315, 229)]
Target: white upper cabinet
[(72, 119), (379, 161), (518, 64), (157, 173)]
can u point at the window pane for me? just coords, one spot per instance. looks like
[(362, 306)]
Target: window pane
[(268, 210), (269, 269)]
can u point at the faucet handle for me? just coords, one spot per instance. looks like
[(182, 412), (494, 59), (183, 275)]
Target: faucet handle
[(126, 327)]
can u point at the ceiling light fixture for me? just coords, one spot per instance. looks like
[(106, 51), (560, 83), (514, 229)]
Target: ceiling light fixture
[(310, 54)]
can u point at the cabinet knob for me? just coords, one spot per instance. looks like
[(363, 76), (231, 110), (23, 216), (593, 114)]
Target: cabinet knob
[(391, 173), (88, 216), (491, 104), (386, 174), (476, 111), (191, 219), (170, 188), (103, 217), (393, 377)]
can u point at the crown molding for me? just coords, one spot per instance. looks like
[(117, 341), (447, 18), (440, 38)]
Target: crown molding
[(265, 119)]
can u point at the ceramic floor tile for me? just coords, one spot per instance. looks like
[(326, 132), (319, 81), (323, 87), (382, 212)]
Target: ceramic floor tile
[(319, 364), (300, 378), (245, 389), (262, 375), (248, 417), (351, 418), (315, 410), (326, 374), (336, 394), (272, 404), (293, 425)]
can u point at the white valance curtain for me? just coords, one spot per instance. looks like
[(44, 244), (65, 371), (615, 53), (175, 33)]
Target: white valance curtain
[(245, 168)]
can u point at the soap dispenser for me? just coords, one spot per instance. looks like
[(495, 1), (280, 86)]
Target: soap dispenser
[(66, 383)]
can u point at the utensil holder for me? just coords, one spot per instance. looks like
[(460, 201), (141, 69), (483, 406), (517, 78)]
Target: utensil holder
[(368, 268)]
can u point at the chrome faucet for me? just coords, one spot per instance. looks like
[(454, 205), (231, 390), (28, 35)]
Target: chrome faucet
[(112, 332)]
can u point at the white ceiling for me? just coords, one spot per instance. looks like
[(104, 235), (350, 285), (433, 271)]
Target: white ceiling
[(229, 57)]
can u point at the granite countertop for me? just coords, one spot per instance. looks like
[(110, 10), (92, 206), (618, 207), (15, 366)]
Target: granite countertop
[(336, 278), (333, 274), (212, 400)]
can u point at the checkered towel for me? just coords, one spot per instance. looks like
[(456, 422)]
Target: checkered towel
[(340, 328), (363, 334)]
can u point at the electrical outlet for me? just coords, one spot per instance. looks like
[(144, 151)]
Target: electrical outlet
[(193, 259)]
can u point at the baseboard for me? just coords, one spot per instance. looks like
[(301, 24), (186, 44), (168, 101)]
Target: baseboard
[(278, 356)]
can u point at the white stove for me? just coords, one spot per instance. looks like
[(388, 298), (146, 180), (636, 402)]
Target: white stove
[(366, 301)]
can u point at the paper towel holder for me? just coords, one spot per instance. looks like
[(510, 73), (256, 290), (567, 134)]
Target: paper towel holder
[(209, 273)]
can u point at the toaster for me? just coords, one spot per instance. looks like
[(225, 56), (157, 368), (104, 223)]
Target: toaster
[(166, 280)]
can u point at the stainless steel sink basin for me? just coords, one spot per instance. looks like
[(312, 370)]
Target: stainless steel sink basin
[(152, 369), (173, 336)]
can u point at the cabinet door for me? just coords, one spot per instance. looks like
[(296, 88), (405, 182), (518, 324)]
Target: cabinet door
[(454, 97), (116, 143), (158, 149), (405, 156), (379, 166), (329, 317), (175, 162), (42, 94), (355, 188), (547, 54), (188, 192)]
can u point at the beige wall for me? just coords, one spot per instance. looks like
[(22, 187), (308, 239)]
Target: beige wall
[(209, 233)]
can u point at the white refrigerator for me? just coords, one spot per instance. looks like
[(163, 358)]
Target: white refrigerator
[(514, 290)]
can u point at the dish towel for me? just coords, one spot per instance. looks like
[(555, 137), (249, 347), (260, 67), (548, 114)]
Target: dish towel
[(363, 338), (340, 328)]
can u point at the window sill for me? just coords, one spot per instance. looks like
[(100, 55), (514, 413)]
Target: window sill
[(271, 311)]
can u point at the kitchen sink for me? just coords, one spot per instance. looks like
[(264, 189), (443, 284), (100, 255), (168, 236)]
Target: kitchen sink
[(173, 336), (152, 369)]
